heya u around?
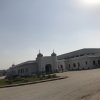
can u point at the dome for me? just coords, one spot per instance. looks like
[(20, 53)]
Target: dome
[(53, 54), (40, 54), (13, 65)]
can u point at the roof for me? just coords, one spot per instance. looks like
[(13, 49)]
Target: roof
[(27, 62), (81, 52)]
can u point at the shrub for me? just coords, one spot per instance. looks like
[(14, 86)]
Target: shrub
[(8, 81)]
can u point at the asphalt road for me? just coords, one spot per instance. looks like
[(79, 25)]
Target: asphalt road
[(80, 85)]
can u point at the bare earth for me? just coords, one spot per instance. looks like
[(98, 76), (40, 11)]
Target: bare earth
[(81, 85)]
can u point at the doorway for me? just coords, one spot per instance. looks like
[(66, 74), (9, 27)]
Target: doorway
[(48, 68)]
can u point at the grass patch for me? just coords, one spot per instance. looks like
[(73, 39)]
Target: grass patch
[(18, 80)]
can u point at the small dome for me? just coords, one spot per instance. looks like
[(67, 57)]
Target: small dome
[(13, 65), (53, 54), (40, 54)]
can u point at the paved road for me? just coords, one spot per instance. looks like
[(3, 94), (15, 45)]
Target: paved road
[(79, 86)]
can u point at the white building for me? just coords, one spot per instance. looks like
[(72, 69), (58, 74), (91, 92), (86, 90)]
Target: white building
[(77, 60)]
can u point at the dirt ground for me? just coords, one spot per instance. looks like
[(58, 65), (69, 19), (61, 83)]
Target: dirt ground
[(81, 85)]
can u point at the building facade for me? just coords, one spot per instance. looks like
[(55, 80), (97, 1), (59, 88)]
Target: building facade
[(77, 60)]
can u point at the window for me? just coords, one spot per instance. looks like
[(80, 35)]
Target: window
[(61, 66), (21, 71), (18, 71), (82, 54), (94, 63), (74, 65), (98, 62), (69, 65), (86, 62), (78, 64), (88, 53)]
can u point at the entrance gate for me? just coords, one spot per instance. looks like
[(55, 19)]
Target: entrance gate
[(48, 68)]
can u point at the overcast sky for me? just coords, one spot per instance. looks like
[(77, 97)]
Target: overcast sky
[(63, 25)]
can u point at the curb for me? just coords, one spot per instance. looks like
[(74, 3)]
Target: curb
[(21, 84)]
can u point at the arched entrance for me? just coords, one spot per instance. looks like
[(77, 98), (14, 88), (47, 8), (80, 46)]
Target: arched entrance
[(48, 68)]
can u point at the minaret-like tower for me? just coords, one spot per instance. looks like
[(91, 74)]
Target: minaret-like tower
[(39, 61), (54, 61)]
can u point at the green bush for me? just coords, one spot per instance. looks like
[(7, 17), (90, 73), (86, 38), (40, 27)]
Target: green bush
[(24, 79), (8, 82), (44, 76)]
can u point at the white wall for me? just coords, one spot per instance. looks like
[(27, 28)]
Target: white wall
[(82, 63)]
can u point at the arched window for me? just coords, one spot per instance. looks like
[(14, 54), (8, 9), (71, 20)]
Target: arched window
[(74, 65), (94, 63)]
